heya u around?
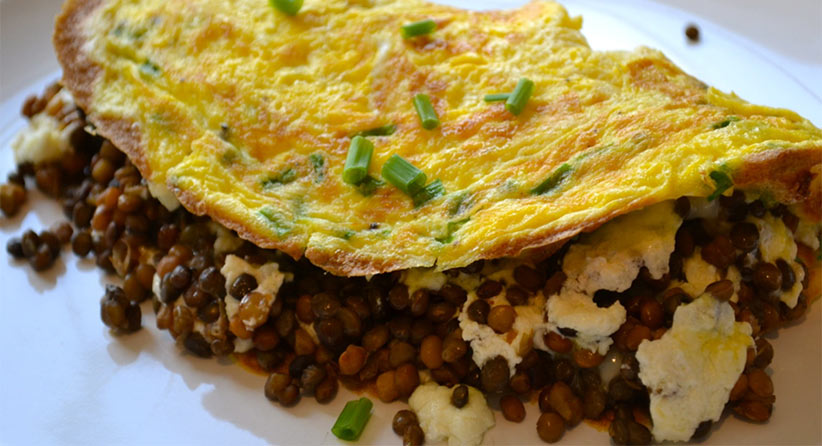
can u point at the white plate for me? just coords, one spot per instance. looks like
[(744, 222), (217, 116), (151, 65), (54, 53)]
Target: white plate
[(66, 380)]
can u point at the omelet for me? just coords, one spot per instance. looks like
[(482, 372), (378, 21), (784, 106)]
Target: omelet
[(246, 113)]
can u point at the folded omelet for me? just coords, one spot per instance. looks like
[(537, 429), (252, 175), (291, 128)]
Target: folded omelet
[(246, 114)]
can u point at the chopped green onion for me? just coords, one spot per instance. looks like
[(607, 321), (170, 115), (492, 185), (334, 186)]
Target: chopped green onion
[(284, 177), (386, 130), (553, 181), (414, 29), (451, 228), (352, 419), (369, 185), (290, 7), (403, 175), (519, 97), (427, 193), (359, 157), (318, 162), (723, 182), (725, 123), (497, 97), (425, 110)]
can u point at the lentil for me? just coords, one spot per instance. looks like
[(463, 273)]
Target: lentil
[(413, 436), (501, 318), (402, 420), (459, 396), (550, 427), (512, 408)]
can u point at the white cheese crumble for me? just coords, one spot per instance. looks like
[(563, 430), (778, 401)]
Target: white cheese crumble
[(269, 279), (226, 241), (594, 325), (691, 370), (808, 233), (43, 139), (699, 274), (163, 194), (423, 278), (776, 242), (513, 345), (440, 420), (610, 259)]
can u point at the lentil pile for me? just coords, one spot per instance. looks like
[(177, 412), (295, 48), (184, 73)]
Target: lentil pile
[(319, 331)]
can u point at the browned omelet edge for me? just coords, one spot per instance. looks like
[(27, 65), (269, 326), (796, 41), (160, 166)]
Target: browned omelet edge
[(790, 176)]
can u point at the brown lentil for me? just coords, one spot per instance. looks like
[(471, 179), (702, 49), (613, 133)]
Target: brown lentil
[(398, 297), (744, 236), (721, 290), (512, 408), (352, 360), (565, 403), (651, 312), (494, 375), (759, 382), (242, 285), (14, 246), (413, 436), (406, 379), (529, 278), (587, 359), (767, 277), (516, 295), (719, 252), (12, 197), (459, 396), (375, 338), (478, 311), (550, 427), (454, 347), (266, 338), (326, 390), (489, 289), (431, 352), (386, 387), (501, 318), (403, 419), (453, 294), (419, 302)]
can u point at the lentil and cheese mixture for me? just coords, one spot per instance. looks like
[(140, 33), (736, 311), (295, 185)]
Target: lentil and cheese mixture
[(653, 324)]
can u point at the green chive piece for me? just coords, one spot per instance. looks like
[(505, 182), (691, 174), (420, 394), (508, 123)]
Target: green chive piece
[(519, 97), (725, 123), (352, 419), (433, 190), (403, 175), (290, 7), (723, 182), (497, 97), (359, 157), (369, 185), (386, 130), (451, 228), (414, 29), (553, 181), (425, 110)]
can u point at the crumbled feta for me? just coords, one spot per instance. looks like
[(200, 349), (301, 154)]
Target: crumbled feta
[(776, 242), (808, 233), (441, 420), (42, 140), (423, 278), (269, 279), (163, 194), (594, 325), (243, 345), (691, 370), (699, 274), (226, 241), (513, 345), (610, 257)]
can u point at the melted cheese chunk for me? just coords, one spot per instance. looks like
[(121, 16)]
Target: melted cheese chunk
[(610, 259), (691, 370), (440, 420), (594, 325), (776, 242), (513, 345), (423, 278), (699, 274), (45, 138)]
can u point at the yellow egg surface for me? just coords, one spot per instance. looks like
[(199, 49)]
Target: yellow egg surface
[(247, 113)]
